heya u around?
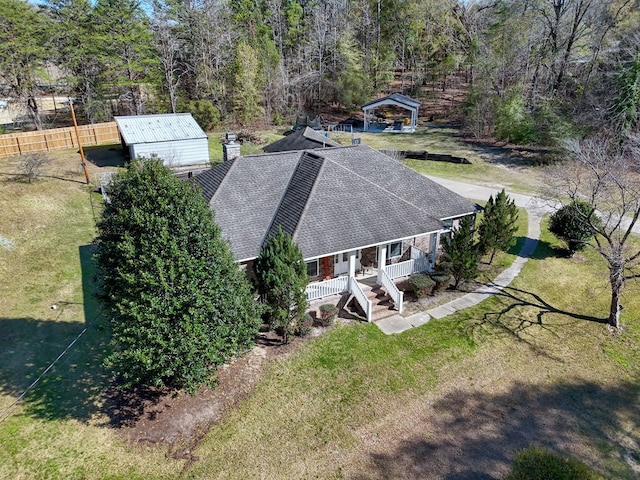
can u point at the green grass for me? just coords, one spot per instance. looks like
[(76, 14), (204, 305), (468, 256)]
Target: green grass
[(538, 464), (340, 406)]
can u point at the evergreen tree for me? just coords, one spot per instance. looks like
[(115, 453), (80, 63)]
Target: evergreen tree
[(498, 227), (247, 81), (281, 278), (575, 224), (24, 38), (179, 304), (122, 40), (462, 253)]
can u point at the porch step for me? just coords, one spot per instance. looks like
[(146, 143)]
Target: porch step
[(383, 306)]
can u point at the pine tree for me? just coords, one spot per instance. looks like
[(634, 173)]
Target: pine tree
[(281, 278), (462, 252), (498, 226), (24, 51), (179, 304)]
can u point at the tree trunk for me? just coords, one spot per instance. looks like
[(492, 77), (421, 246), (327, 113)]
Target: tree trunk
[(616, 279), (32, 105)]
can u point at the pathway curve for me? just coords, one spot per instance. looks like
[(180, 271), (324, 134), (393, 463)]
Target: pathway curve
[(536, 209)]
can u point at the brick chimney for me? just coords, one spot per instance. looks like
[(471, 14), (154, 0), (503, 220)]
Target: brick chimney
[(230, 149)]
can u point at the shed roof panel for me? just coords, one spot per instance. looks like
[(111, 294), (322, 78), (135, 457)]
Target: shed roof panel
[(158, 128)]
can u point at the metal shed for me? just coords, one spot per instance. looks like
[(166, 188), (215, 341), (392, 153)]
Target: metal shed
[(176, 138)]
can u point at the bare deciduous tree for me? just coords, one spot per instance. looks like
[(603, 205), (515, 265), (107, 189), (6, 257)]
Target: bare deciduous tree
[(605, 173), (30, 165)]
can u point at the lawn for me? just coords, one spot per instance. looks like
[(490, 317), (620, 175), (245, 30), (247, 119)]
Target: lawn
[(457, 397)]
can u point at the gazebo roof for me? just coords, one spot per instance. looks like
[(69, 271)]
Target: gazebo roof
[(393, 99)]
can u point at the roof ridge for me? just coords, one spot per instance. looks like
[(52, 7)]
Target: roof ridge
[(302, 182)]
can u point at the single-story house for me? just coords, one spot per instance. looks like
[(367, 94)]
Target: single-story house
[(303, 139), (350, 209), (175, 137)]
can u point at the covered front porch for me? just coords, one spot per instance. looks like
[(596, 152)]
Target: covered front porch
[(358, 271)]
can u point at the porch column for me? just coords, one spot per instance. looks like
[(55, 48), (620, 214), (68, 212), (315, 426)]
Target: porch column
[(352, 267), (382, 262), (435, 240)]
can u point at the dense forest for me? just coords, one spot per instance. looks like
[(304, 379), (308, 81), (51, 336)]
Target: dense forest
[(534, 70)]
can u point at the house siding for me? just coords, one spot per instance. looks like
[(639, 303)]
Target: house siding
[(176, 153)]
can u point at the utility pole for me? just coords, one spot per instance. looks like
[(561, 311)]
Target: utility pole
[(75, 125)]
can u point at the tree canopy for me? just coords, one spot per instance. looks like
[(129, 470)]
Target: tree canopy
[(534, 68), (179, 305)]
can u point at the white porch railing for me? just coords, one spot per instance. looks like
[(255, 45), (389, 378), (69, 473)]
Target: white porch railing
[(362, 299), (404, 269), (394, 292), (325, 288), (417, 253)]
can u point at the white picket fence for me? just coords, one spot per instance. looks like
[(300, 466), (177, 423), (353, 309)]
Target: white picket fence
[(325, 288)]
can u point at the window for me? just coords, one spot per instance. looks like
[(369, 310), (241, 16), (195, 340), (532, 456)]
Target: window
[(312, 268), (394, 249)]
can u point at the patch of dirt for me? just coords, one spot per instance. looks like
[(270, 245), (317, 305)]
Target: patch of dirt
[(179, 421)]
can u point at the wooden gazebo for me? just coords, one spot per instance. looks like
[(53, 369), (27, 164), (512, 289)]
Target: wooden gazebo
[(398, 100)]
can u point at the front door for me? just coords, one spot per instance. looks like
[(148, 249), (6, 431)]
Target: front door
[(341, 263)]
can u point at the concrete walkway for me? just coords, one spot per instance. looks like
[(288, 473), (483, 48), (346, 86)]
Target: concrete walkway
[(536, 209)]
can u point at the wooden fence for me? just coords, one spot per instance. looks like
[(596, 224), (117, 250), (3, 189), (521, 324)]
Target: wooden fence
[(57, 139)]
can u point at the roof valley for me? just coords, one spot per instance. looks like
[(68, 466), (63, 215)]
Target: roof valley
[(297, 195)]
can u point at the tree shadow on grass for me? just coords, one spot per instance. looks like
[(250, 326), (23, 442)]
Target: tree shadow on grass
[(76, 386), (475, 434), (523, 310), (72, 387)]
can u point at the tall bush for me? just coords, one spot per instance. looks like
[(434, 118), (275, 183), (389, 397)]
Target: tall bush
[(575, 224), (281, 279), (498, 226), (179, 305)]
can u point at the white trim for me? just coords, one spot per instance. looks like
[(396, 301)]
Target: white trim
[(456, 216)]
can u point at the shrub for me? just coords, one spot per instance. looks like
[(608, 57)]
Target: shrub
[(422, 285), (328, 312), (575, 224), (441, 280), (303, 328), (205, 113), (539, 464), (30, 165)]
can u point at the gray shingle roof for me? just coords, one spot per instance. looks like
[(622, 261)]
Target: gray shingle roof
[(332, 200), (303, 139), (297, 194)]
